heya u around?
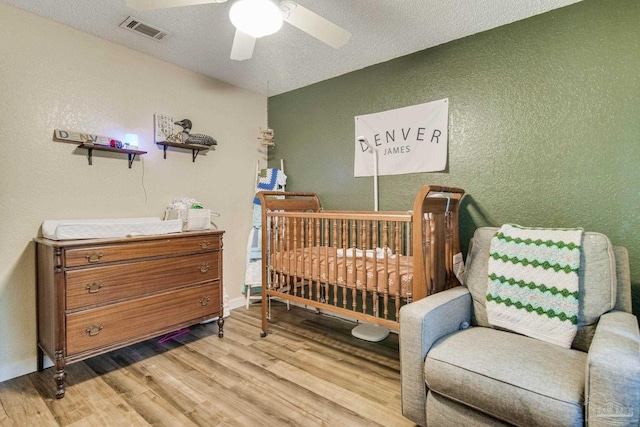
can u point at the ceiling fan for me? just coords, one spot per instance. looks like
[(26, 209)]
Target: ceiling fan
[(257, 18)]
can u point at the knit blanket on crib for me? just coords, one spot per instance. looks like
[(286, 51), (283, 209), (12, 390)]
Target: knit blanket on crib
[(533, 282)]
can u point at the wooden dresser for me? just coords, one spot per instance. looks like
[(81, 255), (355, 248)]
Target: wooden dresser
[(98, 295)]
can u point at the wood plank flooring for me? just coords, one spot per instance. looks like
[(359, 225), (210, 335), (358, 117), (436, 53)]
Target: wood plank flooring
[(309, 371)]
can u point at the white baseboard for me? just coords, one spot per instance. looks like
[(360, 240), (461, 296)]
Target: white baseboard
[(237, 302), (21, 368)]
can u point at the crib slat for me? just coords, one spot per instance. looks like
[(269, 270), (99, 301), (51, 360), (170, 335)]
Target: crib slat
[(374, 300), (281, 243), (272, 241), (385, 268), (345, 246), (365, 279), (290, 243), (271, 246), (448, 255), (335, 244), (305, 249), (397, 273), (354, 267), (326, 258), (316, 231), (296, 275)]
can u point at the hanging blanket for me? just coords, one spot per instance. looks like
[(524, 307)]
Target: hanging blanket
[(533, 282), (269, 180)]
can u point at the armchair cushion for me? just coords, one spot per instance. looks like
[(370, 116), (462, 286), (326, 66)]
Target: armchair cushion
[(489, 369)]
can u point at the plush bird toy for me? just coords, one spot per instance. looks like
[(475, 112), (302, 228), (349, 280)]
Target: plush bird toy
[(194, 138)]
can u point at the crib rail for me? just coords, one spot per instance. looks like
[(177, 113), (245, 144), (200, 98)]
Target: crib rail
[(359, 262)]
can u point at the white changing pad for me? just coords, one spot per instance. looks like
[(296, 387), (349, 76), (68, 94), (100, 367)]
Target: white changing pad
[(108, 228)]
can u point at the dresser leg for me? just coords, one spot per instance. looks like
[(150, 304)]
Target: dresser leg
[(60, 375), (220, 327)]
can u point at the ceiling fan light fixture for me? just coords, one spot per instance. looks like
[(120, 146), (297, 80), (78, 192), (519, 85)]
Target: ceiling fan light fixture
[(257, 18)]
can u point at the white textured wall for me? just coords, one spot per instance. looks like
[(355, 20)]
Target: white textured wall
[(54, 77)]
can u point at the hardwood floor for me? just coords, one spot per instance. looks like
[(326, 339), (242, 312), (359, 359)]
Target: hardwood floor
[(309, 371)]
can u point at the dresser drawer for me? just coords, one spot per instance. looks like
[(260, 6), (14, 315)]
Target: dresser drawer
[(101, 254), (99, 285), (94, 328)]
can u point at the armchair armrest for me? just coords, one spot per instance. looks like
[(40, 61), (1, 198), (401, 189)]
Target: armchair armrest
[(422, 323), (613, 371)]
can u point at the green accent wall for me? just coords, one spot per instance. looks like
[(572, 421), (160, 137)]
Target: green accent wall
[(544, 125)]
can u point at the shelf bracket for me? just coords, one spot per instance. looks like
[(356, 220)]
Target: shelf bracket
[(132, 157), (90, 147), (195, 148)]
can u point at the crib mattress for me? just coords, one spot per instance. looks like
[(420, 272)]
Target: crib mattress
[(108, 228), (324, 264)]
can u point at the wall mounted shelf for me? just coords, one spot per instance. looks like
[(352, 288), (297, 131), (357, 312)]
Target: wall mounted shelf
[(195, 148), (130, 153)]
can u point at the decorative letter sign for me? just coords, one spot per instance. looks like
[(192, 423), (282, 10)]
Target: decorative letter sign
[(410, 139)]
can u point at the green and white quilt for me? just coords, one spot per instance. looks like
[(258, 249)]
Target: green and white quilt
[(533, 282)]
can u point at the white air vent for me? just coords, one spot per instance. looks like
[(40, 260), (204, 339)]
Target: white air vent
[(137, 26)]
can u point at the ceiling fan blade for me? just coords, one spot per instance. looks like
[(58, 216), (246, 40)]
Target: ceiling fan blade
[(243, 45), (314, 24), (163, 4)]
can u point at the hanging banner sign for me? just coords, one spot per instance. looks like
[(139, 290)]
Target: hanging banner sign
[(407, 140)]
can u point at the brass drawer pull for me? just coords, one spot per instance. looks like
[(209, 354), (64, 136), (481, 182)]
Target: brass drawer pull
[(94, 330), (204, 244), (204, 267), (205, 300), (94, 287), (94, 256)]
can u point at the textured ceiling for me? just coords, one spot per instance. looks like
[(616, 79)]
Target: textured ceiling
[(202, 35)]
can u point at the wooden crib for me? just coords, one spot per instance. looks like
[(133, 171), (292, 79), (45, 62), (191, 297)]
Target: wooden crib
[(359, 264)]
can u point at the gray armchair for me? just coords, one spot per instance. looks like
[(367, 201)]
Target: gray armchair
[(456, 369)]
